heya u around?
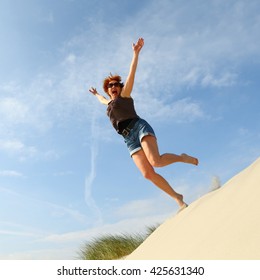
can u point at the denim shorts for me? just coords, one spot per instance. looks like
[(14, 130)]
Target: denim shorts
[(133, 139)]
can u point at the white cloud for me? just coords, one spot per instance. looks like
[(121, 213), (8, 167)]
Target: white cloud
[(10, 87), (124, 226), (11, 145), (177, 58), (180, 52), (227, 79), (134, 217), (186, 54), (24, 108), (160, 205), (71, 58), (13, 110), (10, 173), (187, 51), (16, 233), (18, 148), (50, 208), (21, 151), (182, 110)]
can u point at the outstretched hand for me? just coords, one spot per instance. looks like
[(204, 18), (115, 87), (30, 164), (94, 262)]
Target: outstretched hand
[(93, 90), (101, 98), (138, 46)]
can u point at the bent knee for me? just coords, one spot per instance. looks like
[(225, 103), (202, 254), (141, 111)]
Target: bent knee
[(155, 162), (149, 174)]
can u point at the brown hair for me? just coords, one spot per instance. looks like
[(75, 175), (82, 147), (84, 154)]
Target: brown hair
[(110, 78)]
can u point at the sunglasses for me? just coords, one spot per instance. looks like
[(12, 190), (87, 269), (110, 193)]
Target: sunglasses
[(117, 84)]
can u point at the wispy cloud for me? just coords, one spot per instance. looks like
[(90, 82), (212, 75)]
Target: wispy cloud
[(23, 111), (227, 79), (174, 60), (17, 147), (169, 63), (10, 173), (185, 50), (16, 233), (50, 207), (178, 59), (13, 110), (90, 201), (21, 151), (182, 110), (156, 206), (12, 146), (123, 226)]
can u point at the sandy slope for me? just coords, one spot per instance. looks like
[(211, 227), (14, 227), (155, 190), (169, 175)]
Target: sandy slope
[(224, 224)]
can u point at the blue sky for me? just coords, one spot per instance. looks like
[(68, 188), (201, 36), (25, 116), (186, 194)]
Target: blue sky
[(65, 175)]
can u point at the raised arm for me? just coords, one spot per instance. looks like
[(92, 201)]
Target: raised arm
[(100, 97), (127, 89)]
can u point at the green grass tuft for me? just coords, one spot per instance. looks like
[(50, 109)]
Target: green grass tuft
[(112, 247)]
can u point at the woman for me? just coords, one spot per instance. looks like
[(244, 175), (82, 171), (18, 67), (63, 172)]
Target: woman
[(138, 134)]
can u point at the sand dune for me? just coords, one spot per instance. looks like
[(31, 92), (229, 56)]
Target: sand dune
[(222, 225)]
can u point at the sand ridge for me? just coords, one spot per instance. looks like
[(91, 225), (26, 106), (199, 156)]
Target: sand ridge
[(222, 225)]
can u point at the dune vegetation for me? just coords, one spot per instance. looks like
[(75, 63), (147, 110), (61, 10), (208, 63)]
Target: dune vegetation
[(112, 247)]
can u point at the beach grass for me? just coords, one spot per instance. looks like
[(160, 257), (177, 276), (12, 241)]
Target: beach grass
[(112, 247)]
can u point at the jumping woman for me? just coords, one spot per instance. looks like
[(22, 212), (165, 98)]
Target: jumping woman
[(138, 135)]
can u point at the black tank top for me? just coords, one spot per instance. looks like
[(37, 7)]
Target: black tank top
[(120, 110)]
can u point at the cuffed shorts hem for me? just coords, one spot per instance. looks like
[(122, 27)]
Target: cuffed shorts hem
[(137, 133)]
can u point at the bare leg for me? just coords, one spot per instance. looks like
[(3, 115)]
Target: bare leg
[(148, 172), (150, 147)]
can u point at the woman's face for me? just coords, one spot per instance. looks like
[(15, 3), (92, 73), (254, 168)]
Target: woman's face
[(114, 89)]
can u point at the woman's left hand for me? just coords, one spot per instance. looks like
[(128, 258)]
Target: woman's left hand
[(138, 46)]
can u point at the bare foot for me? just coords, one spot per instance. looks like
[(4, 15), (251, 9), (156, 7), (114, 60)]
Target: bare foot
[(182, 207), (189, 159), (181, 203), (179, 200)]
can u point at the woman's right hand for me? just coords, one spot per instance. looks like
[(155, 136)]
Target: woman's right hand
[(101, 98), (93, 90)]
